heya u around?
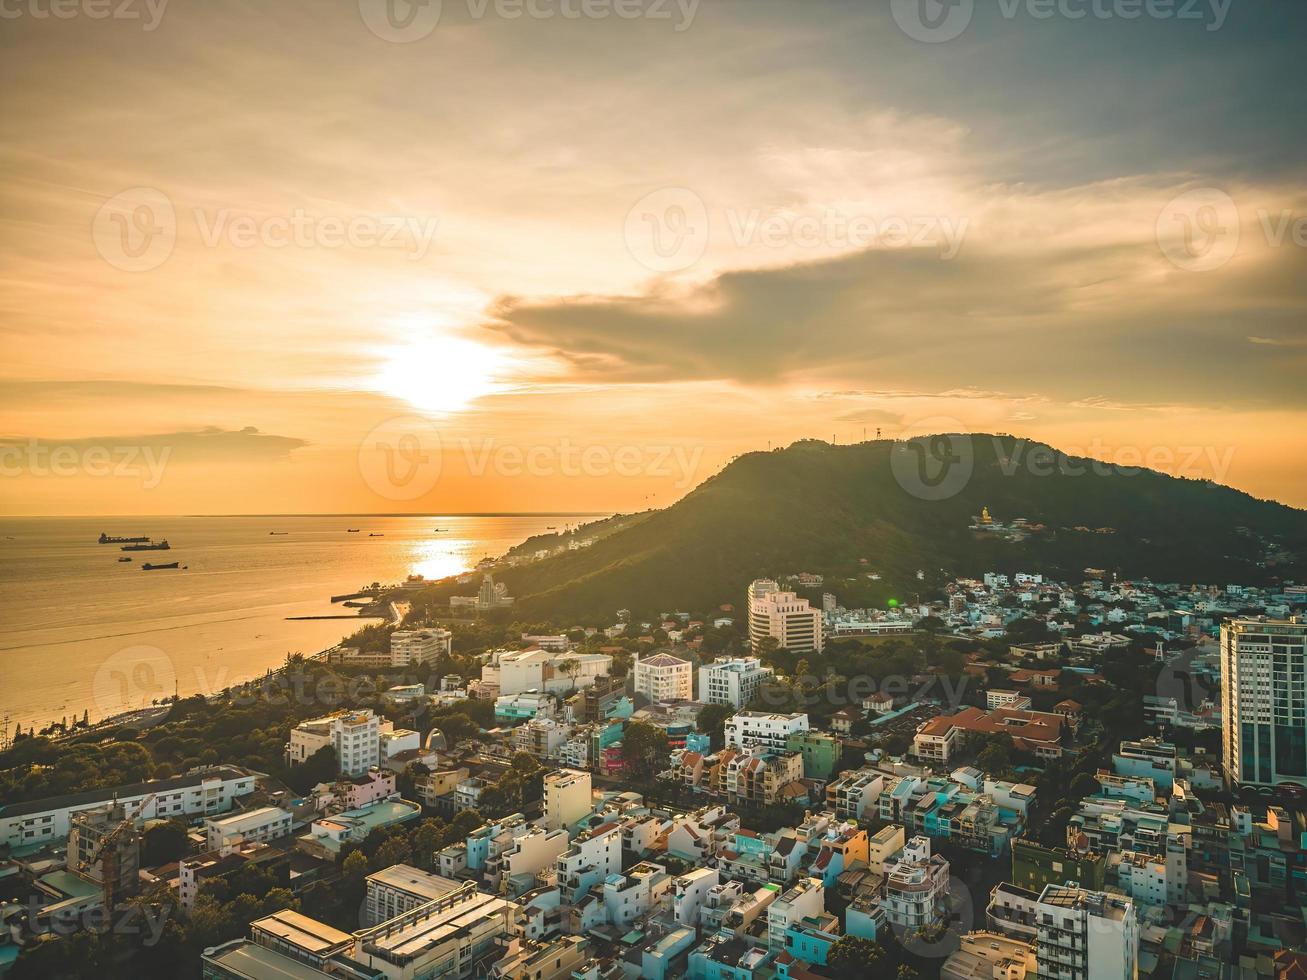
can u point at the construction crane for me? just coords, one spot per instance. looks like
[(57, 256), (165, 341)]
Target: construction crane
[(107, 853)]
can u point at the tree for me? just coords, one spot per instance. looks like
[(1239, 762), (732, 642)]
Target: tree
[(1083, 785), (855, 956), (907, 973), (712, 722), (571, 667), (395, 850), (164, 843), (320, 767), (644, 748)]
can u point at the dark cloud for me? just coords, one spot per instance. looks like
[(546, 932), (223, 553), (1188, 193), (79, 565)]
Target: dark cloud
[(1092, 322)]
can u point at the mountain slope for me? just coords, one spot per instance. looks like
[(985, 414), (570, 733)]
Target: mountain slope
[(821, 508)]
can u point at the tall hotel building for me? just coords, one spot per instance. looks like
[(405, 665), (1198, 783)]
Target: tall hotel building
[(792, 622), (1264, 700)]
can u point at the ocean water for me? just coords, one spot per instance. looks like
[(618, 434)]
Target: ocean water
[(80, 631)]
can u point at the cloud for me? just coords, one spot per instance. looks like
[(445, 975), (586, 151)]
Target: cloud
[(1087, 322)]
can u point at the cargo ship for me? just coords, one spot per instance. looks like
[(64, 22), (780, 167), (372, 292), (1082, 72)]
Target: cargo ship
[(147, 567), (111, 539), (124, 558), (151, 546)]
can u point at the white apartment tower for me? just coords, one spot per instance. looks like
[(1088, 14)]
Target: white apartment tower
[(355, 735), (1085, 935), (663, 677), (1264, 700), (784, 617), (732, 680)]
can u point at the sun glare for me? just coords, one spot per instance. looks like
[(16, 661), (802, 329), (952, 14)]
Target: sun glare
[(440, 374)]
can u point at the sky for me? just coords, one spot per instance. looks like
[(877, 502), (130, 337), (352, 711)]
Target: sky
[(576, 255)]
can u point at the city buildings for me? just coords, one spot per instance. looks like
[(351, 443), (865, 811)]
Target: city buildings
[(1086, 935), (411, 648), (916, 886), (732, 680), (663, 677), (201, 792), (784, 617), (1264, 700), (254, 826), (567, 798), (766, 729), (355, 736)]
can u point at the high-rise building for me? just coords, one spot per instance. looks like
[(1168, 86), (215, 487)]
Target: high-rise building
[(784, 617), (567, 798), (663, 677), (732, 680), (1086, 935), (1264, 700)]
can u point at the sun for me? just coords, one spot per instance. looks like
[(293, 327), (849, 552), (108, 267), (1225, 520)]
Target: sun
[(441, 374)]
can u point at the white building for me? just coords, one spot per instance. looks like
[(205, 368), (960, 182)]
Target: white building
[(594, 855), (355, 735), (806, 899), (409, 648), (663, 677), (402, 888), (204, 792), (916, 886), (1085, 935), (794, 623), (256, 826), (515, 869), (1264, 700), (732, 680), (690, 894), (567, 798), (534, 669), (766, 729)]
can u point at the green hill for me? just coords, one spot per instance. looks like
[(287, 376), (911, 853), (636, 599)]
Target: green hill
[(846, 510)]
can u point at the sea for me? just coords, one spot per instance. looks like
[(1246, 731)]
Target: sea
[(82, 633)]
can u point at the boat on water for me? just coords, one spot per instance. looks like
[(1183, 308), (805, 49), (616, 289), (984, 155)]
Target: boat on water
[(439, 529), (147, 567), (279, 532), (123, 558), (111, 539), (351, 530), (151, 546), (376, 535)]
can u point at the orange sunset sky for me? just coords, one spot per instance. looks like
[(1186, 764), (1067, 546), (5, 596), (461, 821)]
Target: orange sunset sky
[(274, 258)]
